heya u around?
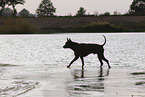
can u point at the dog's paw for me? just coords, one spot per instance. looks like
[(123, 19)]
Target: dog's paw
[(109, 67), (68, 66)]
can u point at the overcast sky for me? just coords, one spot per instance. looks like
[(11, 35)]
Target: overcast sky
[(65, 7)]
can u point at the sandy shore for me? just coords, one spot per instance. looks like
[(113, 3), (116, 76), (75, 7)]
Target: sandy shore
[(92, 82), (52, 81)]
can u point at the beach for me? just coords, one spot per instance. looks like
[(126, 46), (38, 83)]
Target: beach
[(74, 82)]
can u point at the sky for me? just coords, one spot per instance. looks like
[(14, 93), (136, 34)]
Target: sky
[(66, 7)]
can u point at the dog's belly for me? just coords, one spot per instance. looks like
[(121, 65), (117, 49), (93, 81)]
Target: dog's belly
[(86, 53)]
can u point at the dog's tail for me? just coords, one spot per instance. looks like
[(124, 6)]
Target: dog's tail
[(105, 40)]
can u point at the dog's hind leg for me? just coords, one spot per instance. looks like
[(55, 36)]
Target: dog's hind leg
[(82, 59), (106, 62), (76, 57), (103, 58), (100, 59)]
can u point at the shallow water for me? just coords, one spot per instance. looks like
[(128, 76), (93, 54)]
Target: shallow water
[(31, 62), (121, 49)]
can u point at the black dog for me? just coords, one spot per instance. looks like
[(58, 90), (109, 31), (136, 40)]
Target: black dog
[(81, 50)]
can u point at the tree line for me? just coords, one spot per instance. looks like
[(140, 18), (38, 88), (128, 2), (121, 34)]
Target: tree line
[(46, 8), (12, 3)]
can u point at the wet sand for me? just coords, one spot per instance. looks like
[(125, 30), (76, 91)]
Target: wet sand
[(49, 81), (115, 82)]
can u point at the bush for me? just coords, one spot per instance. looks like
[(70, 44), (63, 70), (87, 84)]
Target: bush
[(17, 26), (24, 13), (105, 14)]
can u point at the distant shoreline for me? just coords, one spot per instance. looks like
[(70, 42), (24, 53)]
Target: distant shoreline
[(99, 24)]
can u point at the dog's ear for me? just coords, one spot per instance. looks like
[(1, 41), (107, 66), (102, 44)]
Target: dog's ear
[(69, 39)]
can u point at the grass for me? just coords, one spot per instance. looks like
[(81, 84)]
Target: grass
[(138, 26), (99, 27), (17, 26), (94, 24), (52, 29), (87, 27)]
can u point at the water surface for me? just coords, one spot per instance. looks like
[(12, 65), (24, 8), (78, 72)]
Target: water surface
[(29, 62)]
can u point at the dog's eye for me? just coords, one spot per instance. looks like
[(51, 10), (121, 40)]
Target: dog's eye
[(66, 43)]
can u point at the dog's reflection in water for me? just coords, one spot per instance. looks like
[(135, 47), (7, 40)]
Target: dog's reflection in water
[(89, 80)]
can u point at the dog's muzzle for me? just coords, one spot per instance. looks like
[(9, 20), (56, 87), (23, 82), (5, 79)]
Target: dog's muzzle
[(64, 46)]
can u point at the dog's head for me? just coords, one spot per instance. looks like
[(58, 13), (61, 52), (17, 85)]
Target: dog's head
[(68, 43)]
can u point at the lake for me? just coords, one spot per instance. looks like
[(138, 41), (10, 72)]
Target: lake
[(32, 65)]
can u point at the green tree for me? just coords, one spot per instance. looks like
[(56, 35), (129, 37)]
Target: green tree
[(13, 3), (106, 13), (2, 5), (117, 13), (96, 13), (46, 8), (7, 12), (138, 6), (81, 12), (24, 13)]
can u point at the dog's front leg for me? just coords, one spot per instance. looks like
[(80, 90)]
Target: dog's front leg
[(76, 57), (82, 59)]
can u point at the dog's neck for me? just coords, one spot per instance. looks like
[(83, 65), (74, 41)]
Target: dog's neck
[(74, 46)]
